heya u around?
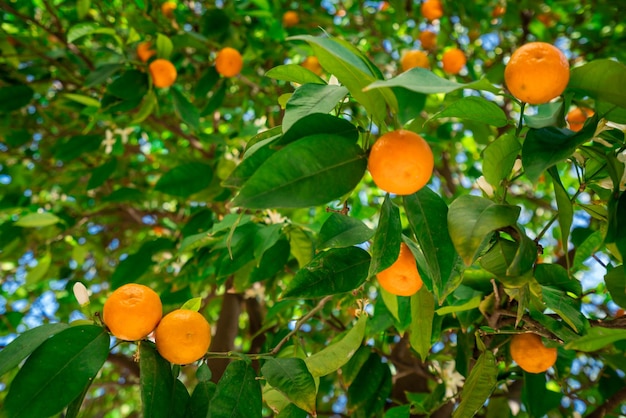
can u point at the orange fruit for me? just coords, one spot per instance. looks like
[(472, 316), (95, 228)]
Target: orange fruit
[(228, 62), (498, 11), (413, 59), (132, 311), (576, 117), (402, 277), (546, 18), (183, 336), (528, 351), (453, 61), (401, 162), (145, 51), (537, 73), (290, 18), (312, 64), (163, 73), (432, 9), (168, 8), (428, 39)]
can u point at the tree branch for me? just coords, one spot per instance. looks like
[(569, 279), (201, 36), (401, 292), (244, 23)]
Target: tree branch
[(613, 402)]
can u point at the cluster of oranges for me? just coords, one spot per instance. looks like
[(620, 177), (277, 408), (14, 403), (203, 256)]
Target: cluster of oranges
[(133, 311)]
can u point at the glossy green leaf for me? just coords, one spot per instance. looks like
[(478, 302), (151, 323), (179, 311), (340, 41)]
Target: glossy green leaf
[(291, 377), (499, 158), (385, 248), (76, 146), (473, 303), (81, 29), (422, 316), (474, 108), (185, 179), (565, 306), (37, 220), (471, 219), (292, 411), (342, 231), (38, 272), (14, 97), (602, 79), (428, 218), (596, 338), (337, 270), (206, 83), (537, 399), (186, 111), (102, 173), (238, 393), (193, 304), (615, 280), (131, 85), (164, 46), (556, 276), (564, 205), (312, 98), (319, 123), (337, 354), (294, 73), (82, 8), (371, 387), (102, 74), (124, 194), (478, 386), (157, 382), (587, 248), (410, 103), (548, 114), (201, 399), (57, 372), (18, 137), (82, 99), (617, 221), (250, 164), (25, 343), (309, 172)]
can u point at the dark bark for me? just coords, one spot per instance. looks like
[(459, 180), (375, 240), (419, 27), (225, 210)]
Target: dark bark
[(226, 331)]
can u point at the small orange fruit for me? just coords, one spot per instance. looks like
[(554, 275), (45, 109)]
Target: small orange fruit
[(432, 9), (313, 64), (228, 62), (163, 73), (401, 162), (183, 336), (132, 311), (498, 11), (547, 19), (528, 351), (290, 18), (414, 59), (537, 73), (428, 39), (453, 61), (576, 117), (168, 8), (402, 277), (145, 51)]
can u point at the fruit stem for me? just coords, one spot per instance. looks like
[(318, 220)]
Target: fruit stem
[(520, 124)]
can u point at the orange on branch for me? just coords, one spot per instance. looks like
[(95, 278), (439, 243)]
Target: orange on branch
[(312, 64), (432, 9), (428, 39), (163, 73), (498, 11), (132, 311), (145, 51), (183, 336), (290, 18), (402, 277), (576, 117), (453, 60), (167, 9), (529, 352), (414, 58), (537, 73), (228, 62), (401, 162)]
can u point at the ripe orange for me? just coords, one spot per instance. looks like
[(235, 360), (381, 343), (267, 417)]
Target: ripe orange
[(145, 51), (576, 117), (163, 73), (132, 311), (537, 73), (498, 11), (428, 39), (413, 59), (168, 8), (183, 336), (528, 351), (401, 162), (228, 62), (547, 19), (432, 9), (290, 18), (313, 64), (402, 277), (453, 60)]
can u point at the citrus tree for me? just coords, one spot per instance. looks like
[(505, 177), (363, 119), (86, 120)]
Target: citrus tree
[(361, 208)]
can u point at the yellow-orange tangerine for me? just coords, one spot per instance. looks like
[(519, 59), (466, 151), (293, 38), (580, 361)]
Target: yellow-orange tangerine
[(132, 311), (183, 336), (402, 277)]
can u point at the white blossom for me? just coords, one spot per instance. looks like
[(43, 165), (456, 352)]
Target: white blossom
[(81, 293)]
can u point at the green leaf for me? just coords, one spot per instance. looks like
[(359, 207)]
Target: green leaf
[(132, 85), (422, 316), (615, 280), (76, 146), (596, 338), (565, 207), (566, 307), (587, 248), (292, 411), (536, 397), (82, 99), (617, 219), (148, 104), (38, 272), (385, 248), (102, 173), (478, 387), (238, 393), (428, 218), (342, 231), (102, 74), (371, 387), (185, 179), (556, 276), (186, 111), (473, 303), (309, 172), (337, 270), (192, 304), (164, 46), (82, 8), (602, 79), (291, 377), (157, 382), (421, 80), (294, 73), (474, 108), (471, 219), (499, 158), (57, 372), (14, 97), (251, 163), (201, 399), (309, 99), (548, 114), (209, 79), (81, 29), (337, 354), (124, 194), (37, 220), (17, 137), (319, 123), (21, 347)]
